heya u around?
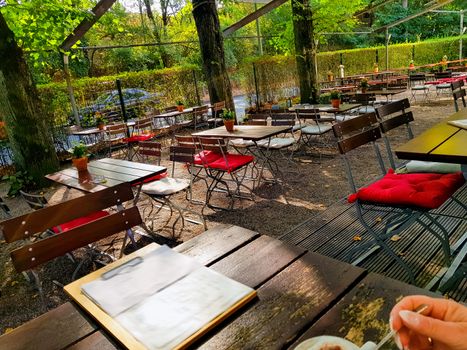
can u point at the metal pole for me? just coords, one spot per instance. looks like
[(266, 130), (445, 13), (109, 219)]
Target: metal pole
[(256, 87), (387, 49), (70, 89), (122, 104), (196, 88), (461, 32), (258, 33)]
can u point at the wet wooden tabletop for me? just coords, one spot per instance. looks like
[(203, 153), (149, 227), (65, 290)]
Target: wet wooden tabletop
[(106, 172)]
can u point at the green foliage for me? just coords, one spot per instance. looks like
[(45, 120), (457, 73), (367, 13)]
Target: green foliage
[(228, 114), (21, 180), (79, 150), (364, 83), (171, 84), (335, 95), (179, 103), (99, 118)]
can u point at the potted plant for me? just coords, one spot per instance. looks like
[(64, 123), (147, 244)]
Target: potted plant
[(335, 98), (375, 68), (100, 120), (229, 119), (411, 65), (79, 156), (180, 106), (364, 85)]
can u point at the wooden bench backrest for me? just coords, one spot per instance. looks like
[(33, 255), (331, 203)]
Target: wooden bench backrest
[(39, 251), (26, 226), (356, 132)]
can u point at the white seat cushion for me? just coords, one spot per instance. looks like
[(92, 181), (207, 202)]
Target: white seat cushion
[(342, 117), (420, 87), (165, 186), (241, 143), (316, 130), (443, 86), (297, 127), (277, 143), (366, 109)]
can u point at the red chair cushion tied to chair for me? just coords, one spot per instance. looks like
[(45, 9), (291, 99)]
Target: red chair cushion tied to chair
[(423, 190), (206, 157), (139, 138), (234, 162), (80, 221), (151, 179)]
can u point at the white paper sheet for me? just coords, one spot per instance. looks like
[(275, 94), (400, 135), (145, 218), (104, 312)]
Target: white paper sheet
[(134, 281), (459, 123)]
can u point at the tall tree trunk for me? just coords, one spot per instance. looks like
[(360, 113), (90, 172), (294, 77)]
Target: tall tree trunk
[(212, 51), (304, 50), (30, 139), (157, 35)]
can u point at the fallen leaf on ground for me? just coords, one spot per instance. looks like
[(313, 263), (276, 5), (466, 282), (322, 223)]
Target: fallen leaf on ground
[(8, 330), (13, 283), (379, 219), (395, 238), (357, 238)]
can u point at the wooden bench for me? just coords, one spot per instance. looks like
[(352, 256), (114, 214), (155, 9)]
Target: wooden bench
[(72, 224)]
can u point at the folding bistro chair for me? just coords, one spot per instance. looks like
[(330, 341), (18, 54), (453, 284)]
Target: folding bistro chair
[(313, 128), (446, 86), (200, 115), (407, 198), (459, 95), (218, 163), (142, 131), (74, 231), (116, 138), (217, 108), (285, 142), (162, 190), (417, 83)]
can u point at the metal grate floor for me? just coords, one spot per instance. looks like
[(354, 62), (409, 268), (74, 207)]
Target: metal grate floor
[(333, 232)]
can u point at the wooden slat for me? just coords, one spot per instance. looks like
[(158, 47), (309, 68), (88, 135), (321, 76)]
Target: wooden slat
[(287, 303), (396, 121), (392, 107), (82, 184), (55, 329), (43, 219), (97, 340), (129, 164), (36, 253), (258, 261), (358, 140), (92, 171), (363, 314), (216, 243), (355, 124)]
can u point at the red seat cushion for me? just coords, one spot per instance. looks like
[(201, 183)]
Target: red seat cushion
[(139, 138), (234, 162), (80, 221), (423, 190), (206, 157), (151, 179)]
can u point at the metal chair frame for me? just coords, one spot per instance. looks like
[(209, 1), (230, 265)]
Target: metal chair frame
[(177, 154), (459, 95), (361, 131), (216, 108), (417, 83), (115, 137), (219, 146)]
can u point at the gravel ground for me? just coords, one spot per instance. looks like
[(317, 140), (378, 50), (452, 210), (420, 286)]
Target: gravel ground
[(309, 188)]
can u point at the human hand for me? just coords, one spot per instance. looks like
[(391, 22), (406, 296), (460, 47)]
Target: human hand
[(443, 324)]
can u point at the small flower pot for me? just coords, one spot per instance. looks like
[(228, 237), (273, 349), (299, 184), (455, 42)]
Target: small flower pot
[(229, 125), (411, 66), (335, 103), (180, 108), (364, 90), (81, 164), (101, 126)]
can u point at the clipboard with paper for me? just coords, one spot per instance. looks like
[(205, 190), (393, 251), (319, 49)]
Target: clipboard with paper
[(159, 300)]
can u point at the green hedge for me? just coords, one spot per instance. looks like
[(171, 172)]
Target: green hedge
[(173, 83), (276, 75)]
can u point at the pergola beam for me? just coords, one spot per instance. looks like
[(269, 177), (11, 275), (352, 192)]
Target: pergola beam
[(439, 3), (253, 16), (98, 11)]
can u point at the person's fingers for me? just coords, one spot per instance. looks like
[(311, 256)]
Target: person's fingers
[(409, 303), (429, 326)]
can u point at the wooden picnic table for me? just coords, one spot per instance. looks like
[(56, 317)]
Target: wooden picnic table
[(104, 173), (387, 92), (246, 132), (441, 143), (327, 108), (299, 295)]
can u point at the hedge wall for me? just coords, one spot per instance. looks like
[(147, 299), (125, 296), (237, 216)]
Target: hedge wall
[(173, 83), (276, 75)]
